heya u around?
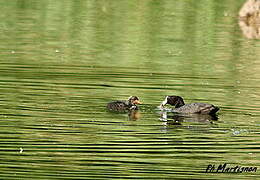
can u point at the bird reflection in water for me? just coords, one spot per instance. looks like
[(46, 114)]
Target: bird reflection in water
[(177, 119), (131, 114), (134, 115)]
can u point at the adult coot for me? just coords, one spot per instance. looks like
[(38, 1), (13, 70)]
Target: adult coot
[(181, 107)]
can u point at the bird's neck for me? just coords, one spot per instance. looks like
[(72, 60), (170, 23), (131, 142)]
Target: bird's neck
[(128, 103)]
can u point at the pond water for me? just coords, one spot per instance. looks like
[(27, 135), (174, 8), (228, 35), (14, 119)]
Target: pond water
[(62, 61)]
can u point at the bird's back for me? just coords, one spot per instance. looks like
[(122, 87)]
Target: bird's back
[(202, 108), (117, 106)]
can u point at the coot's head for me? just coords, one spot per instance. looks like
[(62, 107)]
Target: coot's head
[(176, 101), (133, 100)]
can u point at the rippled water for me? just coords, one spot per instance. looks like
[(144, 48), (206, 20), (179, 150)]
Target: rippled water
[(61, 62)]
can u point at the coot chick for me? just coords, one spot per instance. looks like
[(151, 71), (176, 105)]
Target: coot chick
[(122, 106), (181, 107)]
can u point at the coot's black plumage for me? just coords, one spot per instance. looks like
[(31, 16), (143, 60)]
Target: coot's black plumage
[(121, 106), (181, 107)]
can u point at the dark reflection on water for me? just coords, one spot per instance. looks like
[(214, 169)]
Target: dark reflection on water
[(178, 118), (61, 62)]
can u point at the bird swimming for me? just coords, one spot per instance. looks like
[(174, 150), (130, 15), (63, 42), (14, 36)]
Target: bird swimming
[(123, 106), (181, 107)]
